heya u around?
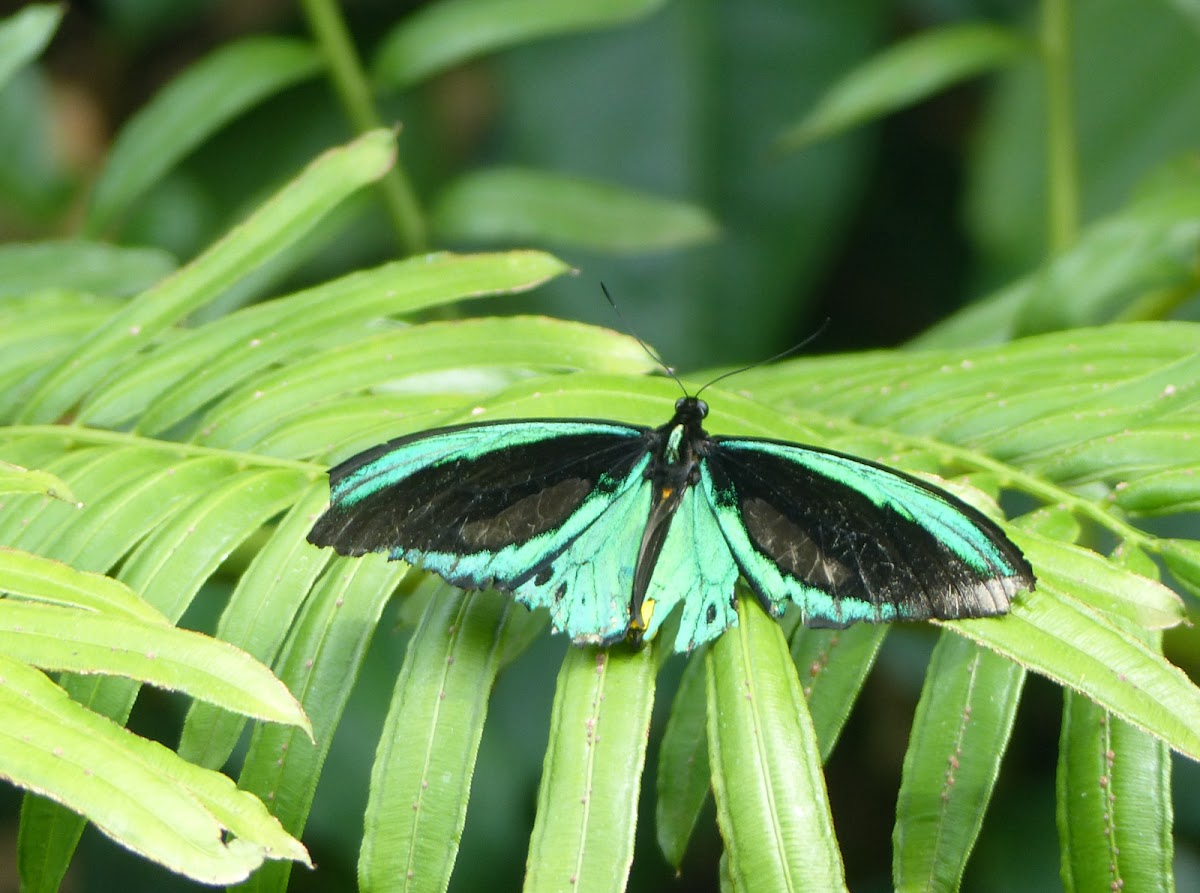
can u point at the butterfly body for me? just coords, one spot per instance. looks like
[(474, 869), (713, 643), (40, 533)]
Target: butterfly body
[(612, 526)]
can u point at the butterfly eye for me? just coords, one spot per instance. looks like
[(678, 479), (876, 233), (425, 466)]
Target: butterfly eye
[(681, 402), (702, 408)]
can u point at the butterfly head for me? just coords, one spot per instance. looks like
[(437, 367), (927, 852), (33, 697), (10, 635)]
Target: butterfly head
[(690, 409)]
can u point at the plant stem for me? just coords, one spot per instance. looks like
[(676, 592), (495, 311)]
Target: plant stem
[(328, 27), (1062, 173)]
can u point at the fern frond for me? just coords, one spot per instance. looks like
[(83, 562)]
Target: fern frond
[(189, 443)]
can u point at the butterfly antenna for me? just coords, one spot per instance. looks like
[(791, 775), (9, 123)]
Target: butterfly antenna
[(779, 356), (649, 351)]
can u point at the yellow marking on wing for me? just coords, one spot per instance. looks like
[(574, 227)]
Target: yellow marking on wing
[(643, 622)]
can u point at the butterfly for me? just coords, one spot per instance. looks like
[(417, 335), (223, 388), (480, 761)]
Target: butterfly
[(612, 526)]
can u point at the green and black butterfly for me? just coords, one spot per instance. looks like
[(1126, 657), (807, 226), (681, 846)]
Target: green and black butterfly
[(611, 526)]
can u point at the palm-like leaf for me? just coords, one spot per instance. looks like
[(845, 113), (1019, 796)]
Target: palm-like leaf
[(187, 443)]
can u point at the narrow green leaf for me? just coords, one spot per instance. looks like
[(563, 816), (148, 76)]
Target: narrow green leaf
[(21, 510), (445, 33), (170, 565), (1125, 455), (1077, 649), (683, 772), (414, 594), (77, 641), (47, 305), (1172, 491), (27, 447), (1079, 573), (24, 34), (42, 579), (1114, 803), (80, 266), (904, 74), (31, 347), (521, 630), (45, 842), (16, 479), (580, 395), (985, 321), (637, 399), (260, 612), (1053, 522), (587, 802), (168, 568), (342, 426), (180, 379), (128, 493), (959, 736), (209, 94), (291, 213), (771, 801), (1113, 262), (96, 475), (724, 874), (1182, 557), (320, 665), (1134, 402), (1020, 381), (136, 791), (407, 358), (517, 206), (1150, 244), (421, 779), (833, 665), (1135, 560)]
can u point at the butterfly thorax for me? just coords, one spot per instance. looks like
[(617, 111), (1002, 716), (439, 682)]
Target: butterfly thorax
[(676, 450)]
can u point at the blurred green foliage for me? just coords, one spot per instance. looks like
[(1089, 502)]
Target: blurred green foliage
[(663, 120)]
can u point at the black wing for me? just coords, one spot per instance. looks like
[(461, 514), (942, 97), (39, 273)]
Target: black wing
[(480, 504), (850, 540)]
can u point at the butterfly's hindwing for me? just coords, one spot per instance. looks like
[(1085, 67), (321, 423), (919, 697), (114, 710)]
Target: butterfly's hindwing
[(586, 584), (695, 567), (848, 540), (480, 505)]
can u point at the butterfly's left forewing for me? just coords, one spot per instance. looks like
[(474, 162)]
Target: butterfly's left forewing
[(848, 540), (539, 508)]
